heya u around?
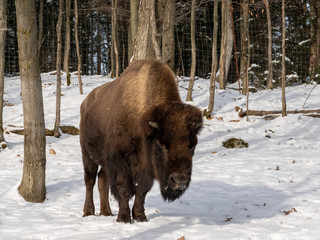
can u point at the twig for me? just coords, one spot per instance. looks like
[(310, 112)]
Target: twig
[(308, 96)]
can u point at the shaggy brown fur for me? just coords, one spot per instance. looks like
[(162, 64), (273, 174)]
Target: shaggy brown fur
[(137, 129)]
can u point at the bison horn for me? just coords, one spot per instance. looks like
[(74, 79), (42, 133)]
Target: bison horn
[(153, 124)]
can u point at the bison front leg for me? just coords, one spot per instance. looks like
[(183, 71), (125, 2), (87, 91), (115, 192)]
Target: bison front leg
[(138, 208), (123, 199), (103, 186)]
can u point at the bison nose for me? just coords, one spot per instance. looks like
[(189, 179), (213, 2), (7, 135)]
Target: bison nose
[(178, 181)]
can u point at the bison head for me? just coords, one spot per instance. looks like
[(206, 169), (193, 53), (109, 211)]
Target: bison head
[(171, 134)]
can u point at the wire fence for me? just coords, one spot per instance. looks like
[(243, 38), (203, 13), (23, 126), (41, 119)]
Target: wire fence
[(96, 48)]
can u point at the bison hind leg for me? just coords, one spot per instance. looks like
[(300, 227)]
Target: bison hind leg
[(138, 208), (90, 174), (103, 186)]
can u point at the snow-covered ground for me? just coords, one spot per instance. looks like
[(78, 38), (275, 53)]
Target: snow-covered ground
[(270, 190)]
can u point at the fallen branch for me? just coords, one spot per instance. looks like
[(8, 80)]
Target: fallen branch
[(264, 113)]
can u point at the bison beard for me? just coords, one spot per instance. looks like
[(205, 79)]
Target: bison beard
[(137, 129)]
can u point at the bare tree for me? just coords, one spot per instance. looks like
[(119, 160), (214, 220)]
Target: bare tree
[(193, 50), (77, 43), (114, 35), (244, 62), (32, 187), (214, 65), (226, 43), (3, 26), (67, 42), (270, 70), (40, 34), (168, 33), (134, 7), (283, 60), (56, 130), (314, 61)]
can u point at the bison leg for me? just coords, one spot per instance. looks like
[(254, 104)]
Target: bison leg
[(90, 174), (103, 186), (138, 208), (123, 199)]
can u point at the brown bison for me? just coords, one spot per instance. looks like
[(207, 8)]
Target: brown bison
[(137, 129)]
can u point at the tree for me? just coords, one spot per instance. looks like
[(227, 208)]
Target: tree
[(114, 35), (67, 43), (56, 130), (40, 35), (32, 187), (314, 62), (226, 43), (144, 45), (77, 44), (134, 7), (168, 33), (193, 50), (244, 29), (214, 65), (270, 70), (283, 61), (3, 26)]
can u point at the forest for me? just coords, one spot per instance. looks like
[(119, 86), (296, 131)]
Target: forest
[(98, 31)]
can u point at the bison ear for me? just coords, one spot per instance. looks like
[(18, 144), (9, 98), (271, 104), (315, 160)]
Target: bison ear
[(153, 124)]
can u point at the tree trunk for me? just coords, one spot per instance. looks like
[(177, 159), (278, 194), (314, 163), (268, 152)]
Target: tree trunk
[(144, 46), (32, 187), (214, 65), (3, 26), (98, 44), (283, 61), (226, 43), (77, 44), (168, 34), (40, 35), (56, 130), (244, 45), (67, 43), (134, 7), (193, 50), (270, 70), (154, 34), (114, 36), (315, 42)]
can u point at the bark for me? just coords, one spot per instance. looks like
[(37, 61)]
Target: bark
[(226, 43), (77, 44), (67, 43), (315, 35), (168, 42), (114, 35), (98, 44), (40, 35), (3, 26), (56, 131), (244, 61), (214, 61), (193, 50), (32, 187), (144, 47), (264, 112), (134, 7), (223, 45), (283, 61), (154, 34), (270, 70)]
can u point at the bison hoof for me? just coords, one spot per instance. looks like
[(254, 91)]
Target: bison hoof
[(124, 218), (105, 213), (141, 218), (85, 214)]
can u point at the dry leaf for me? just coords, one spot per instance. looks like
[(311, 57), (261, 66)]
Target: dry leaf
[(51, 151), (182, 238)]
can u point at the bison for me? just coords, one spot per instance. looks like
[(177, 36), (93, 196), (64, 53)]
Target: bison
[(137, 129)]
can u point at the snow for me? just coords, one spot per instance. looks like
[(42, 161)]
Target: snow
[(270, 190)]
